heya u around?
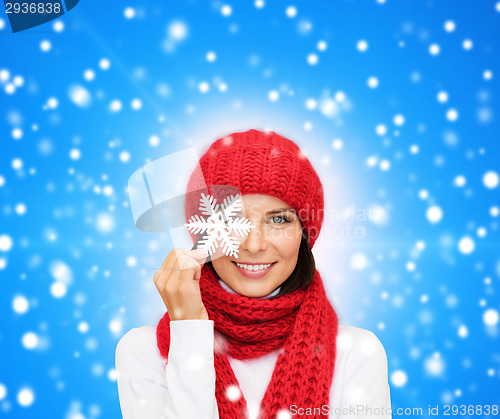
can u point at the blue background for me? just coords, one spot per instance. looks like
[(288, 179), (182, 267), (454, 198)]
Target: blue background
[(433, 308)]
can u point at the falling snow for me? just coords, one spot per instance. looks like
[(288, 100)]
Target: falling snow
[(410, 142)]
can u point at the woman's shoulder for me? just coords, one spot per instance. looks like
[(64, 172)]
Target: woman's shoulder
[(138, 343), (353, 332), (138, 335), (360, 376), (357, 345)]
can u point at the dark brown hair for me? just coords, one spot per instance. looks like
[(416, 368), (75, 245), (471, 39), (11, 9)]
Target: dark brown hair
[(304, 270)]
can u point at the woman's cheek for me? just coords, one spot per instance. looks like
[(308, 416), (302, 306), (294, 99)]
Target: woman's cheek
[(287, 243)]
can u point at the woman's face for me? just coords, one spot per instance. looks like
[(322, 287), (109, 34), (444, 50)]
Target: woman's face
[(275, 239)]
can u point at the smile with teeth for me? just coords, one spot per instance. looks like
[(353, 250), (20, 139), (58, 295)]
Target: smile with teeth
[(253, 267)]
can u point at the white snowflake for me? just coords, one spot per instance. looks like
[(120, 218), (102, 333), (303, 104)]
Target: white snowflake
[(221, 222)]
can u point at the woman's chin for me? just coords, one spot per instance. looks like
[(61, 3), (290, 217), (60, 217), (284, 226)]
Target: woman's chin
[(247, 290)]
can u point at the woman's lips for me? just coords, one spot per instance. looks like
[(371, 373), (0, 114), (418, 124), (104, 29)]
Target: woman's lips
[(254, 274)]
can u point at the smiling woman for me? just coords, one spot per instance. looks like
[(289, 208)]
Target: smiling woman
[(253, 334), (268, 255)]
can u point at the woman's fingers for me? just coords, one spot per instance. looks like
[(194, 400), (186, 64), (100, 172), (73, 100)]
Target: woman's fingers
[(200, 255), (171, 263), (192, 260), (177, 283), (167, 263)]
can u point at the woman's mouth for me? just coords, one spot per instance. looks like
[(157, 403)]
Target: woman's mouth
[(254, 270)]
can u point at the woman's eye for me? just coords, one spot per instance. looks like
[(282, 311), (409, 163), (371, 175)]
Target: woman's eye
[(280, 219)]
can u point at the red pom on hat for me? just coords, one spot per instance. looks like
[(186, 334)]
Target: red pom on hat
[(257, 162)]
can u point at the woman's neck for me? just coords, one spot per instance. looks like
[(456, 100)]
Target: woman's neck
[(229, 289)]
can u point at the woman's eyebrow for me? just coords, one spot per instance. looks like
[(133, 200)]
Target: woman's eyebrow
[(278, 210)]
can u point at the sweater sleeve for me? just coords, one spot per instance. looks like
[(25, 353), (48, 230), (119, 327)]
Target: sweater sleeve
[(184, 388), (365, 386)]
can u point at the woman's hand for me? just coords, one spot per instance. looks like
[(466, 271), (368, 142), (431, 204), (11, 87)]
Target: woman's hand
[(178, 283)]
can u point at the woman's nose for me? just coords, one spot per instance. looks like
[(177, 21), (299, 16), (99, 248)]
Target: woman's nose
[(255, 241)]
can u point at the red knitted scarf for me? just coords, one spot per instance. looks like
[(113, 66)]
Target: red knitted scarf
[(302, 323)]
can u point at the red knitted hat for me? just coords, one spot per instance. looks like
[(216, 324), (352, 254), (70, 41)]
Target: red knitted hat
[(257, 162)]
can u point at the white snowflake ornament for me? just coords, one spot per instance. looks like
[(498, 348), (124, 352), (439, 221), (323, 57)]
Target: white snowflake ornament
[(221, 222)]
